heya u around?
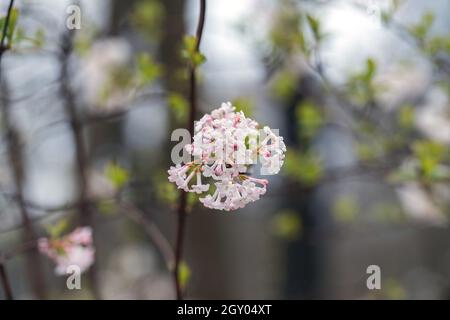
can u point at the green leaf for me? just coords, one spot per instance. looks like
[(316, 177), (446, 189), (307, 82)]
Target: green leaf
[(314, 24), (300, 40), (166, 192), (309, 118), (360, 85), (287, 225), (430, 154), (198, 59), (147, 17), (83, 42), (12, 25), (14, 16), (304, 167), (192, 200), (184, 274), (406, 116), (394, 290), (285, 33), (39, 38), (284, 84), (388, 212), (421, 30), (190, 53), (179, 106), (244, 104), (57, 229), (370, 69), (346, 208), (387, 15), (369, 150), (107, 207), (190, 42), (116, 174), (406, 172), (437, 44), (119, 78), (148, 70)]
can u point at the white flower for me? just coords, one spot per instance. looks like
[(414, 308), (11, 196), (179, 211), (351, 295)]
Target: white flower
[(272, 154), (199, 187), (182, 175), (225, 143)]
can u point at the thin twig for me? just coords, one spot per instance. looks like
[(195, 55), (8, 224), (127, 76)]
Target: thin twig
[(16, 165), (76, 127), (183, 196), (158, 238), (5, 281), (71, 109)]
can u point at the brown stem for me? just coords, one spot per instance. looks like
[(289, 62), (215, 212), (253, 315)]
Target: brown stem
[(183, 195), (5, 281), (179, 243), (76, 126), (16, 164)]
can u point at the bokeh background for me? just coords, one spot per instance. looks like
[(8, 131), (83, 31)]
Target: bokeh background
[(359, 89)]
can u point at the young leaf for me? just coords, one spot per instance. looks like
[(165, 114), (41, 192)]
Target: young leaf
[(184, 274), (346, 208), (287, 225), (314, 24), (116, 174), (107, 207), (179, 106), (284, 84), (406, 116), (309, 118), (245, 105), (429, 154), (57, 229), (148, 70), (370, 69), (11, 27), (304, 167), (421, 30), (190, 53)]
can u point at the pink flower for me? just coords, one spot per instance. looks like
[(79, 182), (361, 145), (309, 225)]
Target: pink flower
[(224, 145), (73, 249)]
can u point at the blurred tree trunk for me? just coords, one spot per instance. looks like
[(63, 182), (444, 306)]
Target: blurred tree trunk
[(304, 254), (119, 13), (166, 48), (173, 31), (105, 141)]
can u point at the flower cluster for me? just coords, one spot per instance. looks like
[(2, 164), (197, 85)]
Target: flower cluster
[(224, 145), (76, 248)]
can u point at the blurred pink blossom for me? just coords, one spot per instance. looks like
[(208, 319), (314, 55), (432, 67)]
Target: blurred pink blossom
[(76, 248)]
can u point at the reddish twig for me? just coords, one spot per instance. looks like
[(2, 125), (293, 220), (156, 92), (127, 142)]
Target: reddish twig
[(183, 196)]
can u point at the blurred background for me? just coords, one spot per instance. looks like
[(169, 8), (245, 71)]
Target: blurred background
[(359, 89)]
